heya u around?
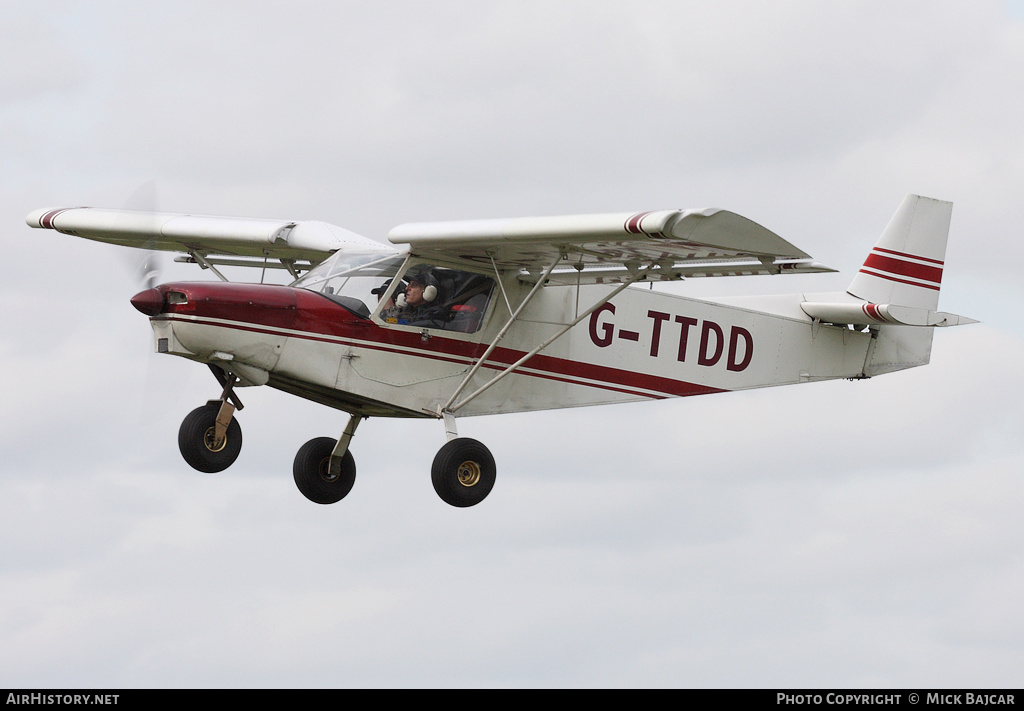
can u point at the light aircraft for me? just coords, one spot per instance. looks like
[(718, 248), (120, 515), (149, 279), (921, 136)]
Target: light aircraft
[(510, 315)]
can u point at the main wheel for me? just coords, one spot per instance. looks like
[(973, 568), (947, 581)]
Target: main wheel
[(313, 476), (463, 472), (197, 440)]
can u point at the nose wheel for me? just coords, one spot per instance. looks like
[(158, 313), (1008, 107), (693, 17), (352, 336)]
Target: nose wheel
[(201, 442), (210, 438)]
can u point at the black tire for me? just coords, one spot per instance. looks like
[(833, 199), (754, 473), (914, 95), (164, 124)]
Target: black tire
[(463, 472), (311, 471), (196, 436)]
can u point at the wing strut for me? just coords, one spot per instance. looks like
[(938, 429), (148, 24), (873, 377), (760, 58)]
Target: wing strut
[(201, 260), (501, 334), (450, 408)]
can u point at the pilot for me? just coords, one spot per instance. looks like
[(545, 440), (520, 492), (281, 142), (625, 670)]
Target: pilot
[(419, 306)]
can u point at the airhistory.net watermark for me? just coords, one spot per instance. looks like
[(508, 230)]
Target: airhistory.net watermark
[(41, 699)]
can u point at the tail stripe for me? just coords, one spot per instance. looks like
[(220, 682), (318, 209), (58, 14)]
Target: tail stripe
[(900, 268), (908, 256), (933, 287)]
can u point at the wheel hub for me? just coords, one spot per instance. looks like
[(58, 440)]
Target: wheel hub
[(325, 471), (469, 473), (210, 440)]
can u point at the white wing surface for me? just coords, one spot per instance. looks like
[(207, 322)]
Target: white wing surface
[(607, 248), (206, 237)]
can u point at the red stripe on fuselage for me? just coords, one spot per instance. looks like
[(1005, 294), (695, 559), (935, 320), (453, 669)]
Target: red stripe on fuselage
[(550, 368), (317, 318)]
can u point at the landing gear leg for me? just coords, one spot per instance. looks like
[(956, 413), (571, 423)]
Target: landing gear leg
[(324, 468), (209, 438)]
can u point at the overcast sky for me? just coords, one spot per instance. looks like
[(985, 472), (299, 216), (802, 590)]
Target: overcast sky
[(841, 534)]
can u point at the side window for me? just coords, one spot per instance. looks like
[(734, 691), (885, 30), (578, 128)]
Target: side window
[(437, 297)]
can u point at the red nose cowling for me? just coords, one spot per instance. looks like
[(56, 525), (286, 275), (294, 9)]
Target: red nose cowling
[(149, 302)]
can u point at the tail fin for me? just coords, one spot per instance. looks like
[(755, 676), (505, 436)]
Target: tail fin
[(898, 288), (905, 270), (905, 267)]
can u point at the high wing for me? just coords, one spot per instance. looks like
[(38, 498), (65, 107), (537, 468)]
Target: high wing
[(611, 248), (572, 249), (209, 240)]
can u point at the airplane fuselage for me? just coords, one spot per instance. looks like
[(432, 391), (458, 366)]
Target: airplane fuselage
[(640, 345)]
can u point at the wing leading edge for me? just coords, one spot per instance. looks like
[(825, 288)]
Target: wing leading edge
[(607, 248)]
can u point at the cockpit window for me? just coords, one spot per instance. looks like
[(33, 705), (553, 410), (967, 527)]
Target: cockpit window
[(354, 281), (430, 296), (426, 295)]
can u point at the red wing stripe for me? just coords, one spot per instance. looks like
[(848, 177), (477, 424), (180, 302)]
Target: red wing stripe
[(47, 219), (903, 268), (633, 224)]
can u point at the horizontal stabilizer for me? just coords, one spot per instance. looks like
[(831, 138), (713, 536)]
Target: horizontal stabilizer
[(867, 314)]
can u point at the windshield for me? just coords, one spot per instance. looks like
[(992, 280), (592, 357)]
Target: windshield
[(355, 281), (427, 296)]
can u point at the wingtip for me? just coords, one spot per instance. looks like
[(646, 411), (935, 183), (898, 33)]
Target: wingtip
[(962, 320), (34, 218), (44, 218)]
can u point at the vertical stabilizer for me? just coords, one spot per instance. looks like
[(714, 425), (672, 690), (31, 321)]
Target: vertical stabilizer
[(905, 267), (905, 270)]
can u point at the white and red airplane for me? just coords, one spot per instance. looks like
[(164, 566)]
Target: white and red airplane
[(479, 317)]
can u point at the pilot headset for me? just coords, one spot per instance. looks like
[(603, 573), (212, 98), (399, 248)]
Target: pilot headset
[(430, 290), (429, 282)]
